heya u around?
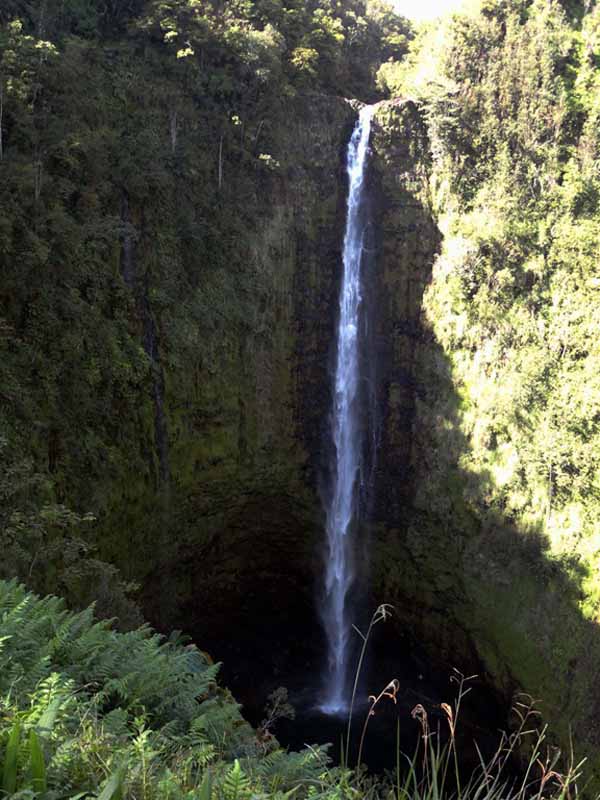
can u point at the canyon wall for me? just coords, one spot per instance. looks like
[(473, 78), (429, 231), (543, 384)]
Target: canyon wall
[(472, 587)]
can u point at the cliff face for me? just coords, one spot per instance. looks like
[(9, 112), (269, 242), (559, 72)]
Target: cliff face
[(407, 241), (415, 565), (167, 318), (414, 562), (472, 588), (245, 416), (170, 284)]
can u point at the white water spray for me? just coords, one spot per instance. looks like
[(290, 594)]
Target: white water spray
[(346, 433)]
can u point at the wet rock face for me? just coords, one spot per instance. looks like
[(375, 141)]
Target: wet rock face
[(243, 527), (247, 428), (234, 543), (407, 240), (414, 564)]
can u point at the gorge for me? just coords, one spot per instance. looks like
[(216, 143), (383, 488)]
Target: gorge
[(178, 435)]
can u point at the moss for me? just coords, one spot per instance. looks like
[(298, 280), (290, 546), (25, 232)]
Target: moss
[(238, 437), (473, 585)]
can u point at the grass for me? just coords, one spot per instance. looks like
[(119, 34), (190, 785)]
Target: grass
[(524, 766), (382, 612)]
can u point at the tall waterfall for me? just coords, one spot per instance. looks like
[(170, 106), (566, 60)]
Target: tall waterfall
[(346, 436)]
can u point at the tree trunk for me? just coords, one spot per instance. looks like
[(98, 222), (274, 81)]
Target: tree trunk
[(220, 182), (173, 126), (1, 118)]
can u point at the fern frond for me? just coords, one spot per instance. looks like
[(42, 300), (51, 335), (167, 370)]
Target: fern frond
[(236, 784)]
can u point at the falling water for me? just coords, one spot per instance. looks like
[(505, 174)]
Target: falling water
[(345, 432)]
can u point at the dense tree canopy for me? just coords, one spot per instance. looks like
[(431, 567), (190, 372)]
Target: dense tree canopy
[(511, 96), (134, 138)]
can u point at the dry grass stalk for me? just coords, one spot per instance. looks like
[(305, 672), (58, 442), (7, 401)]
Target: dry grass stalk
[(390, 691)]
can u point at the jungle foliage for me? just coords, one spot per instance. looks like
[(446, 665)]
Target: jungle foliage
[(512, 98), (86, 711), (136, 140)]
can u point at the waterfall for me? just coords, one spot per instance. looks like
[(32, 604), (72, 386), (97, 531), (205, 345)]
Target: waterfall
[(345, 431)]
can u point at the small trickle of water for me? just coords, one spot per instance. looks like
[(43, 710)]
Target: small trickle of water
[(339, 574)]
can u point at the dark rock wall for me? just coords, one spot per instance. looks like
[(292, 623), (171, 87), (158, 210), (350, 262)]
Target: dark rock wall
[(407, 241), (247, 428), (412, 564)]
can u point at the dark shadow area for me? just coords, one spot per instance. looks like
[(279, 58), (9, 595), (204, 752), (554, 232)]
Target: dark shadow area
[(277, 641)]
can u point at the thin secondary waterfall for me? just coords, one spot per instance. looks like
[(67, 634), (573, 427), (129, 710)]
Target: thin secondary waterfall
[(342, 505)]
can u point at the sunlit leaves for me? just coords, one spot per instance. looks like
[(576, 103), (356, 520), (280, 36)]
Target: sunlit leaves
[(514, 299)]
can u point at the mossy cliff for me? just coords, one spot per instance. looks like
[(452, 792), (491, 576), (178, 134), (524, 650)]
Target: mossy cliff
[(168, 269), (171, 229), (171, 207), (246, 424), (478, 581), (238, 509)]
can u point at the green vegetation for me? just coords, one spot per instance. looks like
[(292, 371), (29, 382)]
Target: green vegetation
[(518, 286), (512, 104), (508, 421), (142, 150), (169, 220), (89, 712), (86, 711)]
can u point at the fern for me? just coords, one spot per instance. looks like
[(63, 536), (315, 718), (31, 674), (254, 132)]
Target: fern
[(281, 770), (104, 713), (236, 784)]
